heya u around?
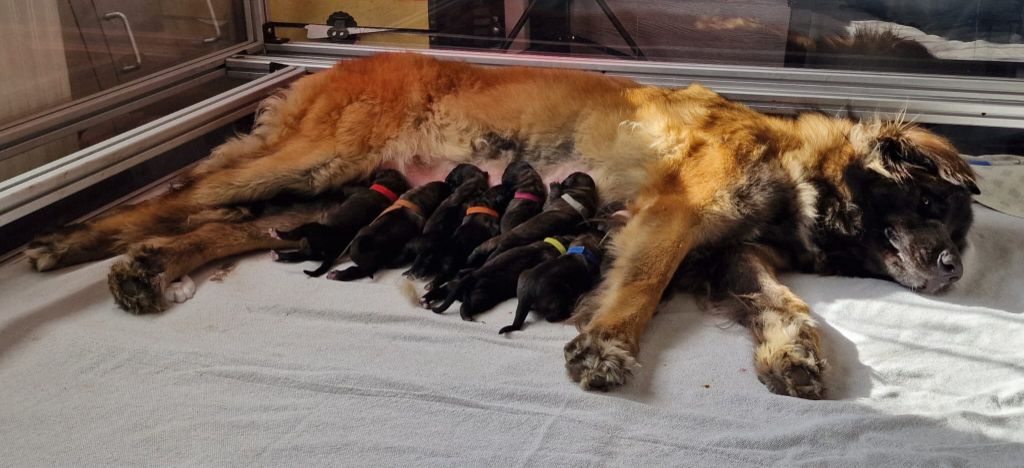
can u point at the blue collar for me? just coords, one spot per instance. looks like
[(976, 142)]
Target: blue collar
[(586, 254)]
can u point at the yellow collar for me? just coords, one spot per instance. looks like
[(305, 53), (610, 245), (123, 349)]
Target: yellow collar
[(554, 243)]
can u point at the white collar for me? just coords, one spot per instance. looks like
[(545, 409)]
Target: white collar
[(575, 204)]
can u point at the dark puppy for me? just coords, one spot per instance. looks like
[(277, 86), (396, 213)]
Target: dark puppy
[(483, 288), (380, 244), (467, 182), (528, 196), (569, 203), (479, 224), (552, 288), (326, 240)]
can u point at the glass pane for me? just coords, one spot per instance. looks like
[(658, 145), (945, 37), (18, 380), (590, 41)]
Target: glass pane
[(60, 144), (57, 51), (955, 37)]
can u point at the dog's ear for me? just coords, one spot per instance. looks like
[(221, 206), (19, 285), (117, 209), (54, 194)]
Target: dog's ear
[(555, 190), (902, 148)]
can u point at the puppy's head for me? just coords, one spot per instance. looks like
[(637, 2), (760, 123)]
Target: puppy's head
[(391, 179), (428, 196), (496, 198), (580, 186), (909, 207), (520, 176), (464, 173)]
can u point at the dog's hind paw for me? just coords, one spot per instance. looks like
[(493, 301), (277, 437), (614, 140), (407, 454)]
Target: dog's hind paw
[(598, 363), (137, 282), (42, 255), (792, 370), (180, 291)]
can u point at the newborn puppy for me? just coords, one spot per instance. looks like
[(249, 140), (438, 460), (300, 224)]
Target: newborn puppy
[(485, 287), (569, 204), (528, 194), (480, 224), (552, 288), (325, 241), (380, 244), (467, 182)]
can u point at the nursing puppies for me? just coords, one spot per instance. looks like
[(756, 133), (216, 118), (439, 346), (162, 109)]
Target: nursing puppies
[(467, 182), (485, 287), (480, 223), (326, 240), (569, 203), (380, 244), (528, 194), (552, 288)]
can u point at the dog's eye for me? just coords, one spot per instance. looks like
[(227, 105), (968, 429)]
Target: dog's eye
[(926, 202)]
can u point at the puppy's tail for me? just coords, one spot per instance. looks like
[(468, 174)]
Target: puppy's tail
[(453, 292), (522, 310), (320, 270)]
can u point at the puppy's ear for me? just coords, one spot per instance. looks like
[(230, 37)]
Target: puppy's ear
[(902, 148), (555, 190)]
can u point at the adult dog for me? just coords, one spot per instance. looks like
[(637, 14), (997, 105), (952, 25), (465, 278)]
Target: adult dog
[(738, 194)]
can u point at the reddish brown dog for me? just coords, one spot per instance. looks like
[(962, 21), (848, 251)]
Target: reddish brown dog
[(736, 194)]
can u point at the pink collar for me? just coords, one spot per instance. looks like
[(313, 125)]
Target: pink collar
[(527, 196)]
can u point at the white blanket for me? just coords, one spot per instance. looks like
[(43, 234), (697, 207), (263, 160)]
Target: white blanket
[(269, 368)]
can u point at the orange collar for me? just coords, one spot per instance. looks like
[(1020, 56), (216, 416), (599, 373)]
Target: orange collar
[(482, 210), (403, 203)]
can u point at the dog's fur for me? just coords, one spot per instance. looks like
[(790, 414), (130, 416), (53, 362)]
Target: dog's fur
[(481, 289), (520, 176), (380, 245), (558, 217), (552, 288), (467, 181), (474, 230), (325, 240), (758, 194)]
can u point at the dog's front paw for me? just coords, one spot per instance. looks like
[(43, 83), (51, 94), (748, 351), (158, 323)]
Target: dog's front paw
[(794, 369), (597, 362), (137, 282)]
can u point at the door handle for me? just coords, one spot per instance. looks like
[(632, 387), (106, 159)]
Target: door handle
[(216, 25), (131, 38)]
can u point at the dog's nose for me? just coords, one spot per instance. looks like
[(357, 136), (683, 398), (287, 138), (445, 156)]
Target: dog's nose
[(949, 267)]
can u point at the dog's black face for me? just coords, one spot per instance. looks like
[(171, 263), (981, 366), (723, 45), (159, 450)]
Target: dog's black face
[(391, 179), (464, 173), (912, 232)]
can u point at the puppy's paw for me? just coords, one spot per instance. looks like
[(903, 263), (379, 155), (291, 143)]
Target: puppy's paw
[(793, 369), (598, 362), (180, 291), (137, 282)]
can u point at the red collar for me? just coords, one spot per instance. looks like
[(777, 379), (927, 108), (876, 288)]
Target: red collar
[(384, 191)]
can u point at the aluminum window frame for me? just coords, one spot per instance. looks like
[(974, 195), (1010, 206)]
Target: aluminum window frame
[(933, 99)]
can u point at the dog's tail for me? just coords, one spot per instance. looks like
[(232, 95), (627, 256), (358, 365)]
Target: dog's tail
[(522, 310), (320, 270), (453, 292)]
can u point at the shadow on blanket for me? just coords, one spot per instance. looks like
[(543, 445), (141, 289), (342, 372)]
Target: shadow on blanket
[(679, 323)]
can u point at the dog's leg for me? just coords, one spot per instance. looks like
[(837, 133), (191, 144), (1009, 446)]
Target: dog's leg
[(650, 246), (788, 356), (138, 281), (111, 233), (299, 166)]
